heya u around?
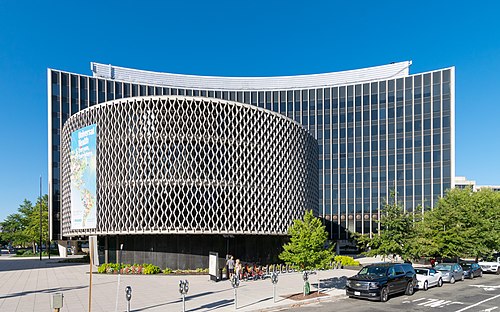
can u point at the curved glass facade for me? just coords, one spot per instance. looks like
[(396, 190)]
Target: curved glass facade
[(378, 131)]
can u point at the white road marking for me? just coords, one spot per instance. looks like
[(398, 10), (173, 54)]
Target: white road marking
[(487, 287), (418, 299), (489, 310), (437, 303), (476, 304)]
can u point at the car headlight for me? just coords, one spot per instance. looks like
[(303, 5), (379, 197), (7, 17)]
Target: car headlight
[(373, 285)]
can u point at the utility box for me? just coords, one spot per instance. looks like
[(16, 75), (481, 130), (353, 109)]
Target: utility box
[(57, 301)]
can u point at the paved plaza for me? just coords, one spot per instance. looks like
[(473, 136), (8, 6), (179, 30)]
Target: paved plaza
[(28, 284)]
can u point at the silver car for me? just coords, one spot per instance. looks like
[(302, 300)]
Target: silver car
[(451, 272)]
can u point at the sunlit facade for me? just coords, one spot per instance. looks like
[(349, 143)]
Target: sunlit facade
[(379, 129)]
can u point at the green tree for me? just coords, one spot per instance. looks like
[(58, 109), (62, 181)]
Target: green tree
[(463, 223), (12, 230), (308, 247), (32, 229), (23, 228), (397, 233)]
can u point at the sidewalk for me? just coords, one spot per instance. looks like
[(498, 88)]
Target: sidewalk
[(28, 284)]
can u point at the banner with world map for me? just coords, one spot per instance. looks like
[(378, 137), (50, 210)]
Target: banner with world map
[(83, 178)]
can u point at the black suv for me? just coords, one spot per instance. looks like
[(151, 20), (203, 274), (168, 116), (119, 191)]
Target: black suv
[(378, 281)]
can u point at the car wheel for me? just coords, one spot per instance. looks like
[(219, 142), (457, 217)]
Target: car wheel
[(440, 282), (498, 271), (384, 294), (452, 280), (409, 289), (426, 286), (480, 273), (471, 276), (463, 277)]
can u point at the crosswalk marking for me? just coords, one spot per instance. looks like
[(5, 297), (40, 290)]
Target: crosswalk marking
[(487, 287), (489, 310)]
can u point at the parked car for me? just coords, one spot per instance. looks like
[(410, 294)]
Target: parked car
[(378, 281), (491, 266), (471, 269), (428, 277), (451, 272)]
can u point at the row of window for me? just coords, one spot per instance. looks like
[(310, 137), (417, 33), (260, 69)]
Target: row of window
[(349, 121)]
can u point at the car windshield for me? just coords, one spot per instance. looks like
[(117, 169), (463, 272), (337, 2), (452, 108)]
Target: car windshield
[(421, 271), (443, 267), (373, 270), (465, 265)]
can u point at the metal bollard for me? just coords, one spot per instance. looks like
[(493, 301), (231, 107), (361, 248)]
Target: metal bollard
[(274, 280), (183, 290), (235, 282), (128, 296)]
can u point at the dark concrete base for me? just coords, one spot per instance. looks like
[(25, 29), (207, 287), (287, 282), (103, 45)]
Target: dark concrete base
[(191, 251)]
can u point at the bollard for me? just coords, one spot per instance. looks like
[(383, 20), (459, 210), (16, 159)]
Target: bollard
[(235, 282), (183, 289), (128, 296), (274, 280)]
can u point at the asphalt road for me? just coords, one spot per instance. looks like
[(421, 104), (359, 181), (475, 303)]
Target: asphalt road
[(480, 294)]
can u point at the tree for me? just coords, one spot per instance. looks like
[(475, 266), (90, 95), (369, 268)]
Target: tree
[(12, 230), (23, 228), (308, 247), (463, 223), (32, 229), (397, 233)]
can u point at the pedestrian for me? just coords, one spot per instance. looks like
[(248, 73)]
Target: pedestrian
[(230, 266), (237, 268)]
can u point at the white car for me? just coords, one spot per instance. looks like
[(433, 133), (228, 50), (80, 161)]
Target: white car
[(491, 267), (428, 277)]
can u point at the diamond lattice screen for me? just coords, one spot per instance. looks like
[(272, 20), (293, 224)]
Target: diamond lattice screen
[(194, 165)]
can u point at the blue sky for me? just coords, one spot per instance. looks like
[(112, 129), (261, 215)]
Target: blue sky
[(242, 38)]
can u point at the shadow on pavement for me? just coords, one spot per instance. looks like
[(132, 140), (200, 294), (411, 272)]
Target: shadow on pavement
[(18, 264), (188, 298), (37, 291), (214, 305), (250, 304), (334, 282)]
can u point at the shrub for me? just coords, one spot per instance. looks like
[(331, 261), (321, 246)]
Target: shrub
[(102, 268), (167, 271), (151, 269), (346, 261)]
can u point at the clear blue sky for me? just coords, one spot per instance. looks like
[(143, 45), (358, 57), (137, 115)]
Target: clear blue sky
[(242, 38)]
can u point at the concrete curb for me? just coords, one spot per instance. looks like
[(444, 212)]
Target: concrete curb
[(302, 303)]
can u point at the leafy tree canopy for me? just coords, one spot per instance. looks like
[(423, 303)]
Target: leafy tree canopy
[(396, 236), (308, 247), (462, 224), (23, 228)]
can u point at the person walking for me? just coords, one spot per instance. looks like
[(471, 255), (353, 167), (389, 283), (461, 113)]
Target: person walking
[(238, 268), (230, 266)]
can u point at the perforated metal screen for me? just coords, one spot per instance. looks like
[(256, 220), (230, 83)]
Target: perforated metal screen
[(171, 164)]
